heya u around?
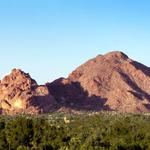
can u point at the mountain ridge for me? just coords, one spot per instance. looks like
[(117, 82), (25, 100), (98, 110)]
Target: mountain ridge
[(111, 82)]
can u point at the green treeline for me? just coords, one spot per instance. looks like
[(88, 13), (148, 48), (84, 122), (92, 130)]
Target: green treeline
[(80, 132)]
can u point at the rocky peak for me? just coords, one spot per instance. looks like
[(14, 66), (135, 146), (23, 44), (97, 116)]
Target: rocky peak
[(17, 76), (111, 81), (116, 55), (19, 93)]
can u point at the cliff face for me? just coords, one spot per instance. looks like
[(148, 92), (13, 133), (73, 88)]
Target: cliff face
[(19, 93), (111, 82)]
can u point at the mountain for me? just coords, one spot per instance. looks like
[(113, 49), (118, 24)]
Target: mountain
[(19, 93), (111, 82)]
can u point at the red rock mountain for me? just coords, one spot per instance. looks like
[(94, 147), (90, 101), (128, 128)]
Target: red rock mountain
[(107, 82), (111, 82), (19, 93)]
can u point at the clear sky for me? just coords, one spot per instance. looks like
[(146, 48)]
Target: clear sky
[(50, 38)]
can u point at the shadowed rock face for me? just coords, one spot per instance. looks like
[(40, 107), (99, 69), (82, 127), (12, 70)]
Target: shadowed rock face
[(19, 93), (111, 82)]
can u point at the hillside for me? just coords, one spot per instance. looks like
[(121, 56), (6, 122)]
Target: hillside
[(108, 82)]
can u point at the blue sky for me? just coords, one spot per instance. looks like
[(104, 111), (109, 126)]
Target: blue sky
[(50, 38)]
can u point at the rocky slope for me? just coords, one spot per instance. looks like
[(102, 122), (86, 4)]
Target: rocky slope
[(108, 82), (19, 93)]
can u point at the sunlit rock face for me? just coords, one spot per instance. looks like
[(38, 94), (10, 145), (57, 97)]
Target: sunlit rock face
[(18, 104), (19, 93)]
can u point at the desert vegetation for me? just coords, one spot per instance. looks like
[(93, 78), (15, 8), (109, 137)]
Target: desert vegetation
[(85, 131)]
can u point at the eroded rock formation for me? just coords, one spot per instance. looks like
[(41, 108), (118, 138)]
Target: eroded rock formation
[(19, 93)]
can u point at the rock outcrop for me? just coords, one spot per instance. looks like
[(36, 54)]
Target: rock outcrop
[(19, 93), (107, 82)]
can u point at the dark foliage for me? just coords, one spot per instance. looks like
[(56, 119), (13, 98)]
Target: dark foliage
[(82, 132)]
